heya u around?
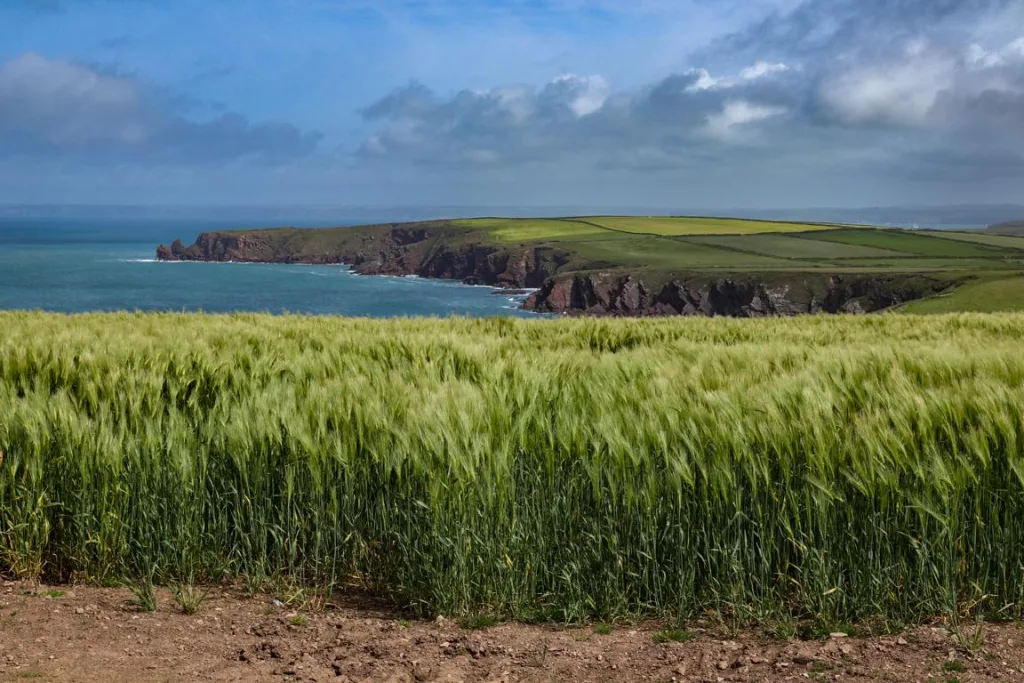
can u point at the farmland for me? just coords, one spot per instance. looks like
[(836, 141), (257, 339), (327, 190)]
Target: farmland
[(678, 264), (830, 469)]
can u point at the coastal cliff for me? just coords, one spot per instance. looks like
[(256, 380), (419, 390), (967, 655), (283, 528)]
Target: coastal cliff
[(435, 250), (749, 296), (426, 250)]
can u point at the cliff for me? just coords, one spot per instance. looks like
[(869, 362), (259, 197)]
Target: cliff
[(431, 250), (748, 296), (564, 284)]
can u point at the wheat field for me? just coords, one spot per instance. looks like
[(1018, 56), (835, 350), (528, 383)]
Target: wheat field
[(828, 468)]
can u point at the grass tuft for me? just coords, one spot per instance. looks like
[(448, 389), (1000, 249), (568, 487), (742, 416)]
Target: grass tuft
[(674, 635)]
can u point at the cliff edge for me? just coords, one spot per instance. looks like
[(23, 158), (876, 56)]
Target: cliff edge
[(562, 282)]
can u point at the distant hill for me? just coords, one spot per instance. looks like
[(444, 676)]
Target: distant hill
[(1007, 228)]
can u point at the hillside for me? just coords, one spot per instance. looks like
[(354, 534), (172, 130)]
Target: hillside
[(631, 265), (1007, 228)]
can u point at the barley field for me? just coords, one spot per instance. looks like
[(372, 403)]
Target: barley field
[(826, 468)]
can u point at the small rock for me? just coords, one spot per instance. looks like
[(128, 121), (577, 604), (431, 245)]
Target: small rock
[(79, 610), (846, 649), (902, 641), (839, 634), (722, 665)]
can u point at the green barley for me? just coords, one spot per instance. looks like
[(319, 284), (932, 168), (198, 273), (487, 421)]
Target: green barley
[(824, 468)]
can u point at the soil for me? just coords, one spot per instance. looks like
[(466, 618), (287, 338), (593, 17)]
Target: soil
[(90, 634)]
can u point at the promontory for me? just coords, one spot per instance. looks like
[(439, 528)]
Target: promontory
[(639, 266)]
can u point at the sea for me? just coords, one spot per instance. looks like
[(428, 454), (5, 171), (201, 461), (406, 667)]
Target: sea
[(75, 265)]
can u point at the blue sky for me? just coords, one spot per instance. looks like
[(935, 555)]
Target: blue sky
[(665, 103)]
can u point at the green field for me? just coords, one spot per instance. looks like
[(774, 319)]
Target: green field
[(676, 226), (910, 243), (667, 254), (675, 244), (788, 246), (832, 469), (512, 230), (999, 241), (994, 296)]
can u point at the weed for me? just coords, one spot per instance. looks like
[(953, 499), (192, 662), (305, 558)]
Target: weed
[(478, 621), (675, 635), (144, 595), (189, 598)]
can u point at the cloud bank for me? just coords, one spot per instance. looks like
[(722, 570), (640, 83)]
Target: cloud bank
[(51, 108)]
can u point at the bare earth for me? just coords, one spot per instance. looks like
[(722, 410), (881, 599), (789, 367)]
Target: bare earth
[(94, 634)]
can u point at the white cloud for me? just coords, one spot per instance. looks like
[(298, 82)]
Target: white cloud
[(980, 58), (762, 69), (729, 125), (703, 80), (590, 92), (900, 91)]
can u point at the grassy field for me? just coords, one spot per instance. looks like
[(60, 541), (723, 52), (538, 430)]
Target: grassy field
[(688, 244), (677, 226), (994, 296), (790, 247), (669, 254), (999, 241), (518, 230), (909, 243), (823, 468)]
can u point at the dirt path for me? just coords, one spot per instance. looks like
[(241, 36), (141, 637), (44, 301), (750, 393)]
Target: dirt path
[(92, 634)]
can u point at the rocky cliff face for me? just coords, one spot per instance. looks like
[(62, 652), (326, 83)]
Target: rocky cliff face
[(400, 250), (748, 298), (428, 251)]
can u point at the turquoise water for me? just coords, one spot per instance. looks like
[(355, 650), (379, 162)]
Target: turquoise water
[(72, 266)]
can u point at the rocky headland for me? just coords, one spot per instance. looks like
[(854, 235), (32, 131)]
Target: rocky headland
[(561, 283)]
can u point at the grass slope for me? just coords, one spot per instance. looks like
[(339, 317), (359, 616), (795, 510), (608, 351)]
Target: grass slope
[(993, 296)]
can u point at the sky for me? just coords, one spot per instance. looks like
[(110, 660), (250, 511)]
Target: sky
[(660, 103)]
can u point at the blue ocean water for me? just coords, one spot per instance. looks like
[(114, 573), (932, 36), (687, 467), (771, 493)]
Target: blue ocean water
[(75, 265)]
